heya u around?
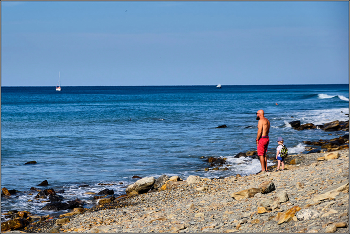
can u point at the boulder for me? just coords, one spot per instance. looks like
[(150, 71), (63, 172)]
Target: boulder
[(222, 126), (344, 125), (306, 126), (332, 155), (106, 192), (247, 193), (332, 126), (282, 197), (267, 187), (55, 198), (341, 225), (193, 179), (160, 181), (295, 124), (175, 178), (141, 186)]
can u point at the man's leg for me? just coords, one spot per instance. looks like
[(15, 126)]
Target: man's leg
[(265, 160), (262, 162)]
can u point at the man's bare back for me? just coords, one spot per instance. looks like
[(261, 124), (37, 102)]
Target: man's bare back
[(263, 125)]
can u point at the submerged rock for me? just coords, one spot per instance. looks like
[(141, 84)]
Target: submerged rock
[(30, 162), (216, 161), (44, 183)]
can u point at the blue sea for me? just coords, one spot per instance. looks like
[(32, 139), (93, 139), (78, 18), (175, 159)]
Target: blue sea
[(103, 136)]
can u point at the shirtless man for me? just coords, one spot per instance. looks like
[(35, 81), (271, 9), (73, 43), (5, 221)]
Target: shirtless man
[(262, 138)]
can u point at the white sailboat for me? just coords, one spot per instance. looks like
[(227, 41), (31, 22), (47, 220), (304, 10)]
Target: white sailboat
[(218, 86), (58, 88)]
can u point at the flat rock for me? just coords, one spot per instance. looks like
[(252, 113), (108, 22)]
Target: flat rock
[(307, 214), (141, 186), (247, 193), (283, 217)]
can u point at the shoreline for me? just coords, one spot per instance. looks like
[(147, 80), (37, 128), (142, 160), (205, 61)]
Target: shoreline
[(207, 205)]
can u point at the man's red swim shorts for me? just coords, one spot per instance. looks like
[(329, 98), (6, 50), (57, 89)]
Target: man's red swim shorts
[(262, 145)]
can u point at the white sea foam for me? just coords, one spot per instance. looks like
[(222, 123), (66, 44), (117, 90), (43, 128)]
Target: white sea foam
[(287, 124), (324, 96), (322, 116), (245, 165), (297, 149)]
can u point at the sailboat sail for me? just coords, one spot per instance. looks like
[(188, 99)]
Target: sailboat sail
[(58, 88)]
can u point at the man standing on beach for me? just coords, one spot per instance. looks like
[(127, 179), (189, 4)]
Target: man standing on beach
[(262, 138)]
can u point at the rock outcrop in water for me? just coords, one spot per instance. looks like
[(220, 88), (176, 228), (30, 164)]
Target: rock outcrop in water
[(331, 126)]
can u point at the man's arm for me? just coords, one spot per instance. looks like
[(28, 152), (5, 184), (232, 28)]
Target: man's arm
[(260, 128)]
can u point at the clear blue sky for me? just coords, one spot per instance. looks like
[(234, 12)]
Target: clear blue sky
[(174, 43)]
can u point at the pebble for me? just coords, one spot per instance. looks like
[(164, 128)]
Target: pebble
[(207, 205)]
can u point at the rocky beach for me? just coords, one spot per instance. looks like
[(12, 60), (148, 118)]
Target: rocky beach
[(310, 196)]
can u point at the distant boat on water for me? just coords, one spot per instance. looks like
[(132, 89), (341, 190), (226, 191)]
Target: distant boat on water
[(218, 86), (58, 88)]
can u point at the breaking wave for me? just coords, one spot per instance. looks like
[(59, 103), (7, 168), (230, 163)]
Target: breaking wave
[(326, 96)]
